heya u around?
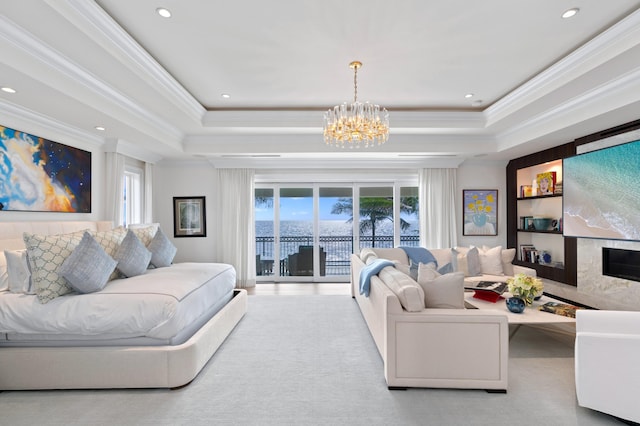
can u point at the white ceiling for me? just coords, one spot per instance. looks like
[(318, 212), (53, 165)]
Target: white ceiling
[(538, 80)]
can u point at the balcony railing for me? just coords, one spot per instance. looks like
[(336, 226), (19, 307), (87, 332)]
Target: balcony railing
[(338, 250)]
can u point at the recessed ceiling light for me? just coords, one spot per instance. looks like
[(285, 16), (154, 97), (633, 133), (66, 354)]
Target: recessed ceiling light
[(102, 129), (570, 13), (164, 12), (8, 90), (225, 96), (468, 95)]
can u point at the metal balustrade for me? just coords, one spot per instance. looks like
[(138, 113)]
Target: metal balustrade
[(338, 250)]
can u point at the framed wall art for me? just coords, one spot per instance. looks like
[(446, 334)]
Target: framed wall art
[(189, 217), (480, 212), (37, 174)]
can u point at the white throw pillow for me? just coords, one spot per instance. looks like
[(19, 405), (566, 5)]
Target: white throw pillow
[(441, 291), (18, 274), (491, 260), (4, 275)]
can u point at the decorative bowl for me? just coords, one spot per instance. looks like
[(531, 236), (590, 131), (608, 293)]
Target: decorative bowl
[(542, 223)]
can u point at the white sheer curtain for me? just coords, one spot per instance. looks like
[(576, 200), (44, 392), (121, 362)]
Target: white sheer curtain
[(147, 205), (114, 186), (437, 192), (234, 227)]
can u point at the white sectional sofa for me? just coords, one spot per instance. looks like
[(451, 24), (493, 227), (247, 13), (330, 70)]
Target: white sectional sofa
[(430, 347)]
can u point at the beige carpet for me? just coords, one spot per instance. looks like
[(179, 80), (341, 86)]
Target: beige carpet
[(309, 360)]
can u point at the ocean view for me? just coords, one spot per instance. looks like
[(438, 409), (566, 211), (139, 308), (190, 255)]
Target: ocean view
[(335, 238)]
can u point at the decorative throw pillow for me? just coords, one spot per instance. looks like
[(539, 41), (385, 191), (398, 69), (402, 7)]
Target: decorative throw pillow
[(18, 274), (162, 250), (145, 233), (4, 275), (466, 261), (408, 292), (110, 241), (46, 253), (446, 269), (507, 258), (491, 260), (441, 291), (132, 257), (88, 267)]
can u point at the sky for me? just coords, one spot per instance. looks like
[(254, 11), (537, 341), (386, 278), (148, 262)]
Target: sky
[(301, 208)]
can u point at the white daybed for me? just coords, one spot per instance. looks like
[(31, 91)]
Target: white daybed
[(117, 366)]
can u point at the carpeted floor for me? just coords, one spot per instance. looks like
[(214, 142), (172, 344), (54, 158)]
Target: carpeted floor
[(309, 360)]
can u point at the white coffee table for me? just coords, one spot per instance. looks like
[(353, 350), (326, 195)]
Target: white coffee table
[(530, 316)]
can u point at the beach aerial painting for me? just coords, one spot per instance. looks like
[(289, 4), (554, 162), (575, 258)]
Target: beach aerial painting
[(601, 193), (37, 174)]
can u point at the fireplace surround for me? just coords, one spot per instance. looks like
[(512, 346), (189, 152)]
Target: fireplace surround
[(621, 263)]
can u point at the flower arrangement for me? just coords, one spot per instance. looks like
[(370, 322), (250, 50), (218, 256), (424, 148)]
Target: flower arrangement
[(525, 287)]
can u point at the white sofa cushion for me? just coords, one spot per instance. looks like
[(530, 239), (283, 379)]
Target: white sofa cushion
[(408, 292), (441, 291), (18, 274), (367, 255)]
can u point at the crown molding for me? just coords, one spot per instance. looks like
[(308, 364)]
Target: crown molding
[(313, 118), (621, 37), (131, 150), (335, 163), (53, 59), (21, 114), (93, 21), (602, 99)]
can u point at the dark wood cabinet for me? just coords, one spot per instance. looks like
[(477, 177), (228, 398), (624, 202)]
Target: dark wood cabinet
[(522, 172)]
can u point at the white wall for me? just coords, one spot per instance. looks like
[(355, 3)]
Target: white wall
[(477, 174), (185, 179)]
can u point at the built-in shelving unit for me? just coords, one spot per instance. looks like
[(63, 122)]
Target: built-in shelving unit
[(524, 204)]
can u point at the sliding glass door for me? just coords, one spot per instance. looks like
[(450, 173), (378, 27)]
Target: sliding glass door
[(307, 233)]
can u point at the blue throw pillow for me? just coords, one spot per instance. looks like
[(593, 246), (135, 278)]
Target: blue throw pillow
[(162, 250), (132, 256), (88, 267)]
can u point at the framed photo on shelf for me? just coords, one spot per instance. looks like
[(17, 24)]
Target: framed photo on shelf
[(189, 217), (546, 183), (480, 212)]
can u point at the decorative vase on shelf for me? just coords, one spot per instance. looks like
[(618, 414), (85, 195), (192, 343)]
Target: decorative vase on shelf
[(515, 305)]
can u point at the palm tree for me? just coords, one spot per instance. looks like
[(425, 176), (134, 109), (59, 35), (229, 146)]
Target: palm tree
[(374, 210)]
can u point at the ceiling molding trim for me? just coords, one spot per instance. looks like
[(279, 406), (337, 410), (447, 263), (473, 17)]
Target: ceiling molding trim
[(607, 97), (51, 58), (292, 118), (131, 150), (92, 20), (613, 41), (346, 163), (19, 113)]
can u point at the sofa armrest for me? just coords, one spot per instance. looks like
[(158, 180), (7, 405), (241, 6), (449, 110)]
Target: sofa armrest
[(607, 350), (608, 322), (517, 269), (447, 348)]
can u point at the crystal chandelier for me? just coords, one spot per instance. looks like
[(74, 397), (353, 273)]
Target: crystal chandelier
[(356, 124)]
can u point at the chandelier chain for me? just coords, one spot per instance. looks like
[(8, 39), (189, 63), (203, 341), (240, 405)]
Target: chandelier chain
[(355, 84)]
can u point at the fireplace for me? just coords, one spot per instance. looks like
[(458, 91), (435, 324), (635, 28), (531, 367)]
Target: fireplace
[(621, 263)]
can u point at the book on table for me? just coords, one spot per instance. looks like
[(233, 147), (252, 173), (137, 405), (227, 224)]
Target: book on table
[(488, 290), (560, 308)]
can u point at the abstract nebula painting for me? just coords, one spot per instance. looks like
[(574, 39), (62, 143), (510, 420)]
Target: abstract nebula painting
[(37, 174)]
